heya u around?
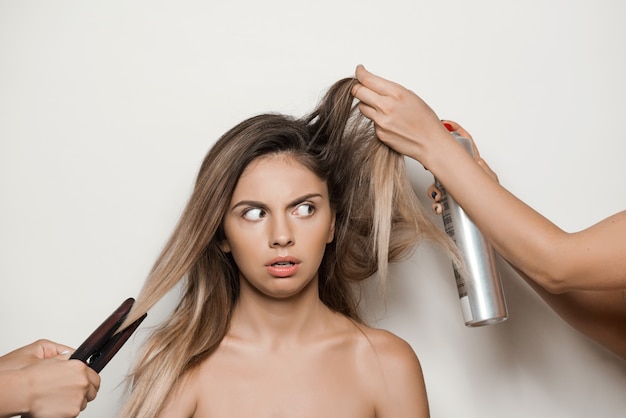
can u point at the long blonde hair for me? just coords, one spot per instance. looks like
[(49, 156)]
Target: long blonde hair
[(379, 220)]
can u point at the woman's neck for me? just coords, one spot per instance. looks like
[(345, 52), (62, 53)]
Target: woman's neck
[(278, 321)]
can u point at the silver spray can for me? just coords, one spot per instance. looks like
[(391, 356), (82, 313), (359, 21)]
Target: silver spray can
[(480, 290)]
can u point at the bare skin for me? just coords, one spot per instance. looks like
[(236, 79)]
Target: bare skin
[(581, 275), (336, 370), (39, 381), (286, 354)]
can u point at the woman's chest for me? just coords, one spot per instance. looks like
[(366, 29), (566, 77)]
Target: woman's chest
[(287, 387)]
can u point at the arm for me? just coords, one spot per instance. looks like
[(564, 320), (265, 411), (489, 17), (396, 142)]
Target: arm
[(402, 392), (31, 353), (46, 386), (582, 276), (600, 314), (398, 388), (181, 402), (592, 259)]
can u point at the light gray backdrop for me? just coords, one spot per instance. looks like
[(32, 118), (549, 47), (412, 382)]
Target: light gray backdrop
[(108, 107)]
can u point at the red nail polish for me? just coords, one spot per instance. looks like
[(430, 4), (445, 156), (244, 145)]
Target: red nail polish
[(448, 126)]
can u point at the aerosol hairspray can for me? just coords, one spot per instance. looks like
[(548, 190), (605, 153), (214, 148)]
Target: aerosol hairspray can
[(480, 290)]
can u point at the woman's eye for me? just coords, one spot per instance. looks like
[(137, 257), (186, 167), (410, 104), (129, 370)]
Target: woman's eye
[(305, 209), (253, 214)]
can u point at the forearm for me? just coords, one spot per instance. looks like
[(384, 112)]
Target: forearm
[(600, 315), (14, 393), (556, 260), (517, 232)]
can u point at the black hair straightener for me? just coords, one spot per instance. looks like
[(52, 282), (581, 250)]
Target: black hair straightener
[(100, 347)]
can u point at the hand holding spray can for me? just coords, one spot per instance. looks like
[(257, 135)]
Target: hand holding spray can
[(480, 289)]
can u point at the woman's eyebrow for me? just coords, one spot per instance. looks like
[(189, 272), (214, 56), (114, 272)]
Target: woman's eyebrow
[(257, 204), (252, 203), (307, 196)]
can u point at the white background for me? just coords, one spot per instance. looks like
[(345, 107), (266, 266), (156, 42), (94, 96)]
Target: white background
[(108, 107)]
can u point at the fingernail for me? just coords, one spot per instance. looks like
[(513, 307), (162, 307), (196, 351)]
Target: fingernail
[(448, 126), (64, 353)]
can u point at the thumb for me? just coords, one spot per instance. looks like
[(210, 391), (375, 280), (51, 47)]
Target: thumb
[(51, 349), (64, 355)]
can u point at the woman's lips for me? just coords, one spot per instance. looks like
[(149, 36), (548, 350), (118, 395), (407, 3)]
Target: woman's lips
[(283, 266)]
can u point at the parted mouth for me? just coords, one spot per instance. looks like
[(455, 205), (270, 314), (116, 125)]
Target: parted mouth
[(283, 261), (282, 267)]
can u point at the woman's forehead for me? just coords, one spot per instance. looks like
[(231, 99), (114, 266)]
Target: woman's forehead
[(286, 159), (277, 174)]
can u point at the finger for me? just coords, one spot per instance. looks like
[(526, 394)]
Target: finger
[(483, 164), (48, 349), (378, 84), (365, 95), (367, 110), (459, 129), (437, 208), (434, 193), (94, 384), (91, 393), (94, 378)]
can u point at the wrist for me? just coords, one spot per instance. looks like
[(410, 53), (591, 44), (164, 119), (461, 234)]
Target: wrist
[(442, 155), (15, 398), (26, 391)]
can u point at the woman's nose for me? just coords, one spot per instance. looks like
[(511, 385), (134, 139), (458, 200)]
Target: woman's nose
[(281, 233)]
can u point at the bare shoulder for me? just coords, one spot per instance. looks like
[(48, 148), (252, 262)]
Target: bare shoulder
[(181, 402), (401, 391), (391, 350)]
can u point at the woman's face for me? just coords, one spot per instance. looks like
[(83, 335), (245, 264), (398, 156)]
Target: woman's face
[(277, 226)]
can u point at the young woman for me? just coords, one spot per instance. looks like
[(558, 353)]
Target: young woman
[(286, 216), (581, 275)]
